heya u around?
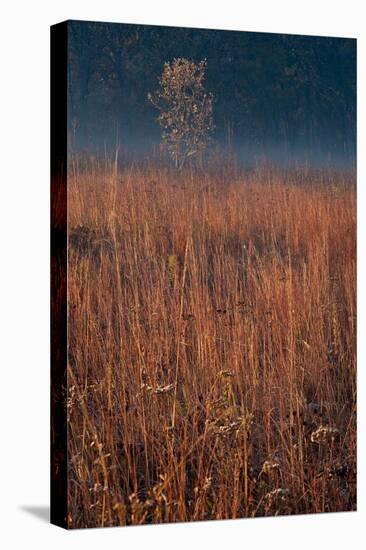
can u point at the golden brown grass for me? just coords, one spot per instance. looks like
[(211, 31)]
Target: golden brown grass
[(211, 345)]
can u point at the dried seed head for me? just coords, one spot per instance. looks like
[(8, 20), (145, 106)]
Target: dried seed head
[(205, 486), (226, 374), (324, 435), (277, 496), (158, 390), (270, 467), (164, 389), (146, 387)]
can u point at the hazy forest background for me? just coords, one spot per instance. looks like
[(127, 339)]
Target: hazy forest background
[(279, 98)]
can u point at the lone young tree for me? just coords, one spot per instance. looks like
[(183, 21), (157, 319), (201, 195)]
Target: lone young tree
[(185, 109)]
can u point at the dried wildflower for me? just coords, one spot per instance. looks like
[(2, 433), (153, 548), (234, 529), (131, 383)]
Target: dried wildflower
[(226, 374), (276, 497), (97, 488), (226, 429), (146, 387), (70, 401), (205, 486), (306, 344), (158, 390), (324, 435), (270, 467), (164, 389), (94, 505), (231, 427), (133, 497), (207, 483)]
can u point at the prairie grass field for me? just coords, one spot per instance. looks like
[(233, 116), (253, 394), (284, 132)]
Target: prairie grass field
[(211, 343)]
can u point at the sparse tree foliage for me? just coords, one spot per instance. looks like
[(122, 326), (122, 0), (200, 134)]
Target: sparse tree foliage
[(185, 109)]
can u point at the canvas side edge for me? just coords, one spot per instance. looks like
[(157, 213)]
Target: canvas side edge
[(58, 300)]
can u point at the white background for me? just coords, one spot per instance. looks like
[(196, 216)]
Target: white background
[(24, 271)]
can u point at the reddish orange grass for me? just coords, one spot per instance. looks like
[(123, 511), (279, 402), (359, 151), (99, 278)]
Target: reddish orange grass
[(211, 334)]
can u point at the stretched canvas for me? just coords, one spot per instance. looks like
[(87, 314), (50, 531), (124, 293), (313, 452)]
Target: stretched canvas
[(203, 273)]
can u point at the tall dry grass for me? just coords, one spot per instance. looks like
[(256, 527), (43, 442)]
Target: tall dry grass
[(211, 359)]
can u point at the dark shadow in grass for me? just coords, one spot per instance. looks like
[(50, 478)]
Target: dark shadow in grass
[(40, 512)]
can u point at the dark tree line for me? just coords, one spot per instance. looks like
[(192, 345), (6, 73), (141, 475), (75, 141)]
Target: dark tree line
[(268, 88)]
